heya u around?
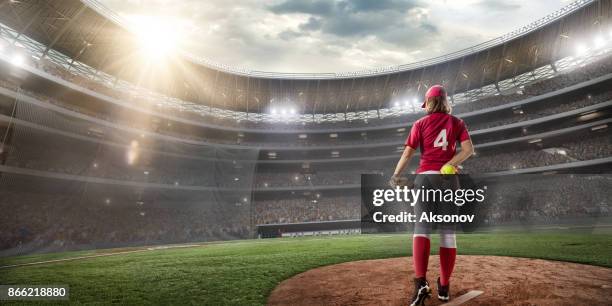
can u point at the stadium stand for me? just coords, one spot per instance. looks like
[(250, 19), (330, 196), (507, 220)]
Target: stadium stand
[(116, 164)]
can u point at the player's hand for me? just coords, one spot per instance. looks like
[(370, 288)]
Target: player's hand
[(397, 180), (394, 181), (449, 169)]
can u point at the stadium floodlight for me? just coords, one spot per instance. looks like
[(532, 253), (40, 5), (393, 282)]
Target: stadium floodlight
[(158, 37), (536, 140), (17, 59), (132, 152), (131, 157), (599, 127), (599, 42), (581, 50), (156, 47)]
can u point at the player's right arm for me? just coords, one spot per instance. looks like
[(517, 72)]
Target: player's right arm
[(467, 150)]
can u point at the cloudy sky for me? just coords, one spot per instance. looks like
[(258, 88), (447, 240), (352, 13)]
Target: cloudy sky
[(331, 35)]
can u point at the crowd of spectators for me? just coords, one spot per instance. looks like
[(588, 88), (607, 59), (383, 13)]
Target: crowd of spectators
[(306, 209), (596, 146), (548, 199), (54, 221), (321, 178), (41, 151), (34, 150), (594, 69), (500, 161), (51, 221), (524, 115)]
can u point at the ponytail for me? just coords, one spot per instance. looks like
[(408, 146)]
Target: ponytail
[(437, 104)]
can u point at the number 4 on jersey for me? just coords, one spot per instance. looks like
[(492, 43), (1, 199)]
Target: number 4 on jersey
[(441, 140)]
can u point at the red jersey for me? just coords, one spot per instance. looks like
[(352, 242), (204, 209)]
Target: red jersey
[(436, 135)]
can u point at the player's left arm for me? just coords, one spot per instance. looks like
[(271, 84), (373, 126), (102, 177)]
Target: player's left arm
[(401, 165), (404, 160), (410, 146)]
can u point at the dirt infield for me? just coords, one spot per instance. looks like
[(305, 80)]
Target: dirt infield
[(504, 280)]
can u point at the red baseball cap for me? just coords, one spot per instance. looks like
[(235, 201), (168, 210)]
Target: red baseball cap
[(434, 91)]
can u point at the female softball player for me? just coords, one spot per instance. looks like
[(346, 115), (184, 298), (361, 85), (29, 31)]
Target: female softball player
[(436, 135)]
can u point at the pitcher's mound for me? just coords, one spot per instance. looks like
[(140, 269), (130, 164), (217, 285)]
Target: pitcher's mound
[(504, 280)]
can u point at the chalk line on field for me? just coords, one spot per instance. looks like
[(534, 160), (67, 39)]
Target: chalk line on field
[(464, 298), (98, 255), (146, 249)]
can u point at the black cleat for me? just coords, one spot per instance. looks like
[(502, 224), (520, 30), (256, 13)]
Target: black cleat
[(443, 292), (421, 291)]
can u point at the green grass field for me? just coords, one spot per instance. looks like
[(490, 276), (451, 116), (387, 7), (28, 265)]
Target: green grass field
[(245, 272)]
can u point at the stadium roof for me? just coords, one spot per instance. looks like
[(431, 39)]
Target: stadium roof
[(87, 32)]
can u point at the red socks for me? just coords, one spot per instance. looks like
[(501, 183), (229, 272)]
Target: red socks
[(447, 264), (420, 255), (420, 258)]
